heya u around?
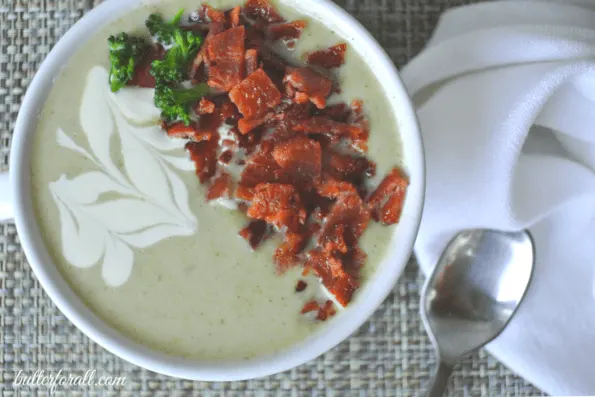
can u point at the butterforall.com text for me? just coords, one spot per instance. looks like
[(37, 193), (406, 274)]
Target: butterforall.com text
[(64, 381)]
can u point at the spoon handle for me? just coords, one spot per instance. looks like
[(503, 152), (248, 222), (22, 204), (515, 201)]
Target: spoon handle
[(440, 380)]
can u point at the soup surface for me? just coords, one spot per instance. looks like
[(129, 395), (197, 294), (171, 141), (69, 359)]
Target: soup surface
[(125, 220)]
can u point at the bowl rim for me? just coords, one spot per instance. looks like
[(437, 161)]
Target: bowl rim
[(327, 337)]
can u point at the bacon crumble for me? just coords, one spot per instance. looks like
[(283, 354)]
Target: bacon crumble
[(311, 83), (262, 10), (225, 58), (330, 58), (220, 187), (387, 201), (300, 286), (303, 164), (255, 95), (286, 31), (255, 233), (205, 106)]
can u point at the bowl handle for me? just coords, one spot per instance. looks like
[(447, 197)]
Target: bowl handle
[(6, 210)]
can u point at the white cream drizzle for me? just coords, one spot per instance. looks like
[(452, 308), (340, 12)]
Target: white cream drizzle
[(148, 201)]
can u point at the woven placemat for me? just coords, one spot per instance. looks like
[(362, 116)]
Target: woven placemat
[(389, 356)]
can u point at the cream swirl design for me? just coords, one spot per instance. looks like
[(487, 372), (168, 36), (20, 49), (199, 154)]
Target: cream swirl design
[(106, 212)]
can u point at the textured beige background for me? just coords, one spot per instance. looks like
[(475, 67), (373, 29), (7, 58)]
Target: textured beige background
[(389, 356)]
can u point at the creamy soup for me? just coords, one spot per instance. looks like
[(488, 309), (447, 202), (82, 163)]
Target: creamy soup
[(125, 220)]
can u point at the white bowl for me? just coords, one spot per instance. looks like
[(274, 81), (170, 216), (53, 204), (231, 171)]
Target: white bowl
[(370, 296)]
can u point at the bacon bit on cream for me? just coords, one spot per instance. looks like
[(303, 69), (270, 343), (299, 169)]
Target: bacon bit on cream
[(205, 106), (330, 58), (387, 201), (220, 187), (300, 286), (324, 312), (286, 31), (255, 233), (262, 11)]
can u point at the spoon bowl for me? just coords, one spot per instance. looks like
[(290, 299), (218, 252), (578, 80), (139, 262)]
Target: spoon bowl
[(474, 291)]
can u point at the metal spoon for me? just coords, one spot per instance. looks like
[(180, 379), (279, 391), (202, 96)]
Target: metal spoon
[(478, 284)]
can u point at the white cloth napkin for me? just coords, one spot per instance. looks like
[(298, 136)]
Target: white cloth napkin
[(505, 92)]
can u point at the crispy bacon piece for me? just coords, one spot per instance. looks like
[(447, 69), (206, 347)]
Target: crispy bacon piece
[(327, 311), (290, 114), (326, 125), (357, 107), (229, 143), (345, 224), (387, 201), (286, 31), (361, 143), (205, 106), (198, 70), (348, 168), (334, 239), (359, 119), (142, 74), (311, 83), (390, 213), (354, 260), (246, 125), (255, 95), (338, 112), (249, 142), (255, 233), (290, 92), (220, 187), (301, 98), (234, 16), (251, 57), (300, 286), (278, 205), (204, 156), (286, 256), (330, 58), (244, 192), (262, 10), (333, 276), (182, 131), (317, 205), (301, 157), (334, 189), (225, 58), (260, 168), (206, 13), (203, 136), (226, 157), (310, 306), (229, 113), (207, 127), (324, 312)]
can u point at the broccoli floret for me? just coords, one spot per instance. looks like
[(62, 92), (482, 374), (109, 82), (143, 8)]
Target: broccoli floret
[(164, 31), (175, 103), (124, 53), (174, 67)]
